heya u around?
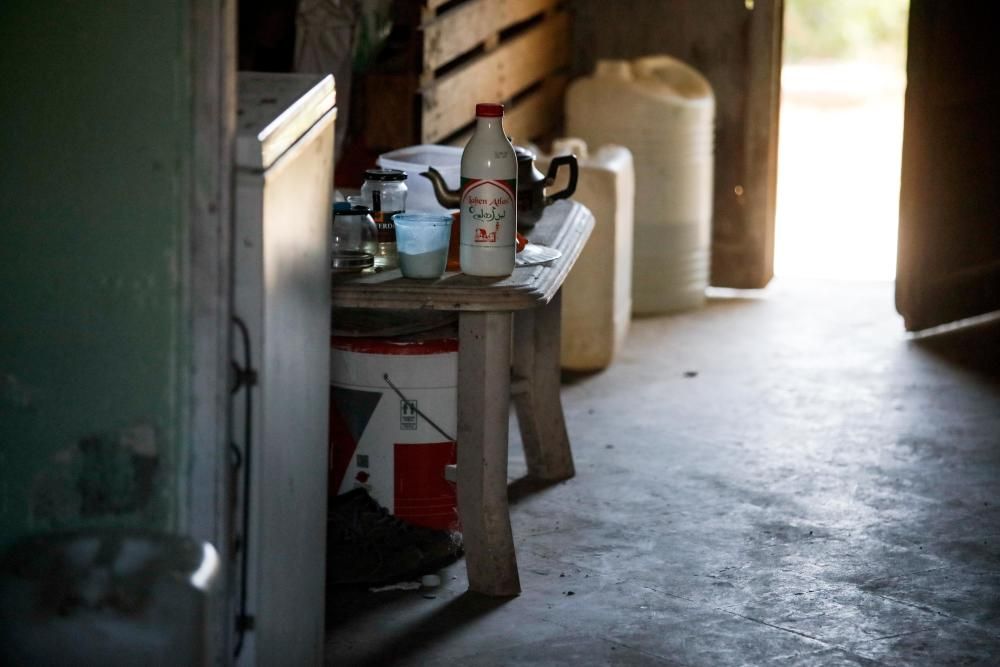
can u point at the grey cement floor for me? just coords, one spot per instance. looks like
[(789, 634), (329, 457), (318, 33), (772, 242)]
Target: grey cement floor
[(823, 492)]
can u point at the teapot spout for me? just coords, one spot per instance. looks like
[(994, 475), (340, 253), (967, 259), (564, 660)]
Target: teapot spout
[(447, 198)]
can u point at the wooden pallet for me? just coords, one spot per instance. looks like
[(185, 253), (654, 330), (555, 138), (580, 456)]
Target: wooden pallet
[(510, 51)]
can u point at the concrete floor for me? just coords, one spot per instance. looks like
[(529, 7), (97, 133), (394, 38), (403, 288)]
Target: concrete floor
[(781, 479)]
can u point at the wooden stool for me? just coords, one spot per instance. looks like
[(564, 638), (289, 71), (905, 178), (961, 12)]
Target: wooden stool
[(525, 305)]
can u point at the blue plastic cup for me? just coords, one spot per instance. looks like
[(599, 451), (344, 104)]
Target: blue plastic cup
[(422, 243)]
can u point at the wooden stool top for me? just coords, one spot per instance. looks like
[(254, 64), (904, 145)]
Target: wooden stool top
[(565, 226)]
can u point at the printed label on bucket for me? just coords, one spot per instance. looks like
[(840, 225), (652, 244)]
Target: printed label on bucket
[(408, 415)]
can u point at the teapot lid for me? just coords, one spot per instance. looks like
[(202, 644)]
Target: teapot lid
[(523, 154)]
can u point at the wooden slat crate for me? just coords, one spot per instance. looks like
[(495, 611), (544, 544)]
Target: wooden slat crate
[(510, 51)]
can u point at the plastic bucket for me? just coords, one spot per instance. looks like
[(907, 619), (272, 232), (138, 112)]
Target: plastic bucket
[(414, 160), (384, 442)]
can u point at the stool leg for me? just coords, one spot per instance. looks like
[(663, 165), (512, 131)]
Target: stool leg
[(536, 395), (483, 409)]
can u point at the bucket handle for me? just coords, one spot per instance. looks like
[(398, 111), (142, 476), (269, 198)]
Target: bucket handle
[(385, 376)]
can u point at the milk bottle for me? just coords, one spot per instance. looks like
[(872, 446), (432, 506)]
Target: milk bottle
[(489, 197)]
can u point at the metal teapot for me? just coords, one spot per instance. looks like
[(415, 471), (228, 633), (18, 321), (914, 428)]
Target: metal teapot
[(531, 184)]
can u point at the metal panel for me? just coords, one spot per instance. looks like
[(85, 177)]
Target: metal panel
[(275, 110), (282, 294)]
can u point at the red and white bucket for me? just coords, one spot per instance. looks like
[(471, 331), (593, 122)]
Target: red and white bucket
[(380, 436)]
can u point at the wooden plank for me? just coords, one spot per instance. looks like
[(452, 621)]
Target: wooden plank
[(449, 103), (432, 5), (751, 264), (539, 408), (390, 109), (462, 139), (538, 113), (948, 262), (565, 225), (483, 411), (467, 26), (208, 515), (532, 117)]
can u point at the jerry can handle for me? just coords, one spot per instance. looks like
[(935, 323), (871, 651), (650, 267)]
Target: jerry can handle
[(574, 173)]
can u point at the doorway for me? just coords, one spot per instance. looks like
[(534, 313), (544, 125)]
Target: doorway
[(840, 139)]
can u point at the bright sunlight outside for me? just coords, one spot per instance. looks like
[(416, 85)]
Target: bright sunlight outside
[(840, 138)]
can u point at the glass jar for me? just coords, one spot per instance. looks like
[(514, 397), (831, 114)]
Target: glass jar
[(384, 191), (353, 238)]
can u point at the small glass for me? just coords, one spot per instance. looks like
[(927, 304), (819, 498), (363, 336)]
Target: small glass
[(422, 240)]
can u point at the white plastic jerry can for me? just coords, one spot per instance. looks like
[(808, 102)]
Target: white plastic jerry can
[(597, 294), (663, 111)]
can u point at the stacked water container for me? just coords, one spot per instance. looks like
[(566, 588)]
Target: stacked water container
[(664, 112), (597, 294)]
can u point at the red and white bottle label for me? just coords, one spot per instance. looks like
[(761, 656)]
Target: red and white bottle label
[(488, 212)]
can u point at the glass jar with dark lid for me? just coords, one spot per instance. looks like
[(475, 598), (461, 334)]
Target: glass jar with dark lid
[(384, 190)]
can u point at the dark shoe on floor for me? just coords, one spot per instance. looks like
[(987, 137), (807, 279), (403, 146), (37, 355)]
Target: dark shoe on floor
[(368, 545)]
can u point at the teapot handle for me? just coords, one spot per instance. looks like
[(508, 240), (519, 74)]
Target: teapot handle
[(574, 172)]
